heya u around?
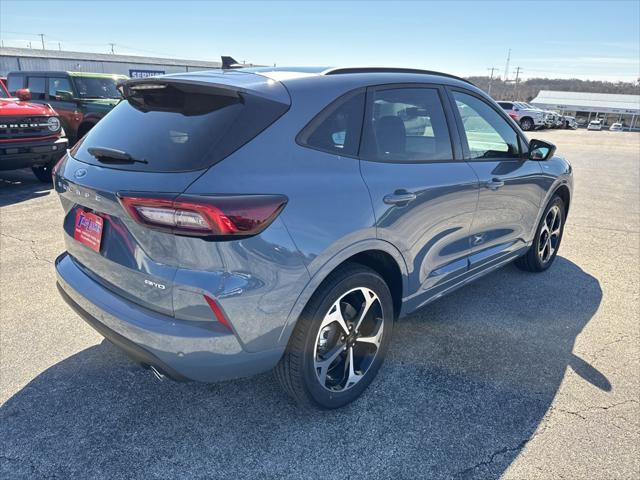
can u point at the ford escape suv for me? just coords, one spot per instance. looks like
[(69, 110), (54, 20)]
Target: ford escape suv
[(223, 223)]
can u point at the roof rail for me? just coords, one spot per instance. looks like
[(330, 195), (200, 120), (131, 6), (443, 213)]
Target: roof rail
[(341, 70)]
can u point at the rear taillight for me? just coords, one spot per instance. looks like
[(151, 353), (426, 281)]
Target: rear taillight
[(233, 216)]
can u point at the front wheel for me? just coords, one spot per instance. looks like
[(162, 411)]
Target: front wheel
[(546, 243), (340, 340), (43, 172), (526, 124)]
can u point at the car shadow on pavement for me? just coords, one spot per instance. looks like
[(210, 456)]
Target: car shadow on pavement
[(19, 185), (466, 385)]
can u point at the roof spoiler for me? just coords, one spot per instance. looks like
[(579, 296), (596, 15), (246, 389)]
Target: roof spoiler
[(229, 63)]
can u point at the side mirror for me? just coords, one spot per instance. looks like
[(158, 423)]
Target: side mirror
[(541, 150), (23, 94), (516, 109), (64, 96)]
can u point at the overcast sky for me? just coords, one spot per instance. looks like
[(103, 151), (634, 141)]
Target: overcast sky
[(574, 39)]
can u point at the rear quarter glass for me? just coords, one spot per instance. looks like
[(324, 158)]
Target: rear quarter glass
[(179, 127)]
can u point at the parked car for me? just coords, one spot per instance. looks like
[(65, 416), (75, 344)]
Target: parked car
[(528, 117), (220, 224), (595, 125), (570, 122), (550, 118), (558, 120), (80, 98), (616, 127), (30, 135)]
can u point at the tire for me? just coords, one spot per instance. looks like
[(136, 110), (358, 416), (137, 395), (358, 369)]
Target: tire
[(526, 124), (43, 173), (328, 362), (546, 243)]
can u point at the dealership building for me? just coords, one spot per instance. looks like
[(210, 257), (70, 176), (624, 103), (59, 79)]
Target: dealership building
[(15, 59), (608, 107)]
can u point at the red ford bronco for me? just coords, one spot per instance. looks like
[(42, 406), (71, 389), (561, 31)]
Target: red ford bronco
[(31, 134)]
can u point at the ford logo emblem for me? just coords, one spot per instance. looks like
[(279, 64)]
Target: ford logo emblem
[(81, 172)]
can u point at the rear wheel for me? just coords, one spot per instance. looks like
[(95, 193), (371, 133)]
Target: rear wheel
[(340, 341), (546, 243), (526, 124), (43, 172)]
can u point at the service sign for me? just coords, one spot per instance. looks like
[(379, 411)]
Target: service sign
[(145, 73)]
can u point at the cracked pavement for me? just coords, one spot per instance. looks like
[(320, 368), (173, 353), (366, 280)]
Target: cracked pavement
[(516, 376)]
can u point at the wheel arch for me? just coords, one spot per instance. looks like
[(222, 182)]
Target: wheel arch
[(379, 255), (563, 192)]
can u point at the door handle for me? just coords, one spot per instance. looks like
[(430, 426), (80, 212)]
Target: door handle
[(399, 197), (494, 184)]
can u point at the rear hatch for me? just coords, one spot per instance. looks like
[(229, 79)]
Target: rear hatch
[(165, 134)]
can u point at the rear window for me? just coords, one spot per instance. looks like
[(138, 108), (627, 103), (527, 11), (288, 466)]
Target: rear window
[(337, 128), (179, 127)]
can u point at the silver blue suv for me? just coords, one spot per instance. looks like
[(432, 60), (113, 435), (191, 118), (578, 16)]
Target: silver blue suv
[(224, 223)]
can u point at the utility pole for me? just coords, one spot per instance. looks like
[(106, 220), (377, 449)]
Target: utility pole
[(515, 84), (59, 46), (506, 67), (29, 44), (112, 45), (42, 39), (490, 80)]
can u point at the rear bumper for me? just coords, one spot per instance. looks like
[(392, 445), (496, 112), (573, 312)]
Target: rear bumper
[(178, 349), (29, 154)]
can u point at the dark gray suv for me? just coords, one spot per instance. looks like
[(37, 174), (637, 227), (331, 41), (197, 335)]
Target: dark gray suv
[(223, 223)]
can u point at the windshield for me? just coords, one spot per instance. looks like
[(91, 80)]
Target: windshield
[(97, 87), (3, 91)]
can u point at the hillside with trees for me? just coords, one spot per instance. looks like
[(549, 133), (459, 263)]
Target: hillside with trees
[(528, 89)]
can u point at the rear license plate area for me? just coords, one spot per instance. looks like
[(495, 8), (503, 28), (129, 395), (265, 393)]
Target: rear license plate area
[(88, 229)]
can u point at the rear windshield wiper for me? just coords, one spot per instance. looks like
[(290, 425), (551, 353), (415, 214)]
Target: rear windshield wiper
[(111, 155)]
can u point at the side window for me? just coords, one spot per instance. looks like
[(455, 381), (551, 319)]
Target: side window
[(58, 85), (506, 106), (337, 128), (14, 83), (406, 124), (488, 134), (36, 87)]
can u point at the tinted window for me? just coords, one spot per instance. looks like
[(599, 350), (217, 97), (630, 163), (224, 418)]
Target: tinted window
[(36, 87), (57, 85), (505, 105), (406, 124), (15, 82), (97, 87), (488, 134), (179, 127), (337, 128)]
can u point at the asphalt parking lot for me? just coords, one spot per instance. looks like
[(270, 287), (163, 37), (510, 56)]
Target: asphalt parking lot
[(517, 376)]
